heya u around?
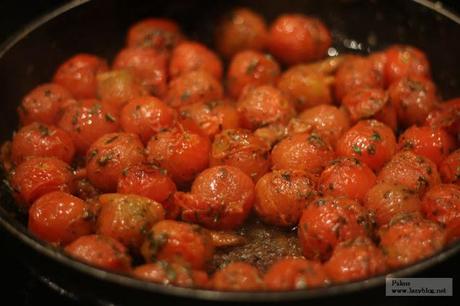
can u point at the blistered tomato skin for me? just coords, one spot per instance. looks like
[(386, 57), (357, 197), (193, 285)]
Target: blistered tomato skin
[(146, 116), (446, 115), (102, 252), (221, 197), (450, 168), (109, 156), (242, 29), (432, 143), (354, 260), (369, 141), (41, 140), (405, 61), (409, 238), (241, 149), (365, 103), (178, 242), (294, 274), (148, 65), (160, 34), (237, 276), (87, 120), (330, 220), (43, 104), (250, 69), (127, 218), (78, 75), (386, 200), (38, 176), (60, 218), (282, 195)]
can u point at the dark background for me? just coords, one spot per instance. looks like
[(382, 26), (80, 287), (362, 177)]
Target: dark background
[(20, 288)]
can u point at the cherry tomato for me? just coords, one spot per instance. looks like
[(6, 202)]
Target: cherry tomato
[(178, 242), (221, 197), (237, 276), (446, 115), (405, 61), (160, 34), (364, 103), (78, 75), (450, 168), (281, 196), (100, 251)]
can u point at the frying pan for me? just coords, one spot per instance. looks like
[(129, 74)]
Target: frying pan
[(30, 57)]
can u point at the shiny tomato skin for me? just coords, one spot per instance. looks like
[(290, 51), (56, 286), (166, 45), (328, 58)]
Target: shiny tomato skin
[(446, 115), (365, 103), (160, 34), (78, 75), (404, 61), (100, 251), (60, 218), (450, 168), (237, 276), (41, 140)]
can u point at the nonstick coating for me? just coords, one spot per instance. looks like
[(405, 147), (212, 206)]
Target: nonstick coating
[(31, 56)]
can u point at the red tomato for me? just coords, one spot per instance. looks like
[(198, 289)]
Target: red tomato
[(446, 115), (237, 276), (160, 34), (450, 168), (364, 103), (405, 61), (41, 140), (221, 197), (43, 104), (102, 252), (178, 242), (78, 75)]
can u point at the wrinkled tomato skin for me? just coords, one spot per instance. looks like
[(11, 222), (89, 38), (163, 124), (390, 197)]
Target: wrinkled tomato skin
[(346, 177), (237, 276), (409, 238), (386, 200), (450, 168), (127, 218), (41, 140), (405, 61), (43, 104), (178, 242), (241, 149), (221, 197), (369, 141), (250, 69), (354, 260), (432, 143), (60, 218), (365, 103), (38, 176), (146, 116), (160, 34), (100, 251), (87, 120), (282, 195), (330, 220), (148, 65), (446, 115), (109, 156), (78, 75), (295, 273)]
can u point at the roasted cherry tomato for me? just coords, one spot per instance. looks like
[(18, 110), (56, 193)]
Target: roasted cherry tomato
[(146, 116), (38, 176), (347, 176), (241, 149), (127, 218), (241, 29), (237, 276), (386, 200), (405, 61), (330, 220), (364, 103), (355, 259), (87, 120), (281, 196), (102, 252), (409, 238), (149, 66), (432, 143), (192, 87), (248, 69), (297, 38), (178, 242), (43, 104), (450, 168), (78, 75), (370, 141), (415, 172), (295, 273), (41, 140), (221, 197), (160, 34), (190, 56), (304, 151), (109, 156), (446, 115), (60, 218)]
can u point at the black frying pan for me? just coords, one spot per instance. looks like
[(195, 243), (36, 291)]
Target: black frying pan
[(31, 56)]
